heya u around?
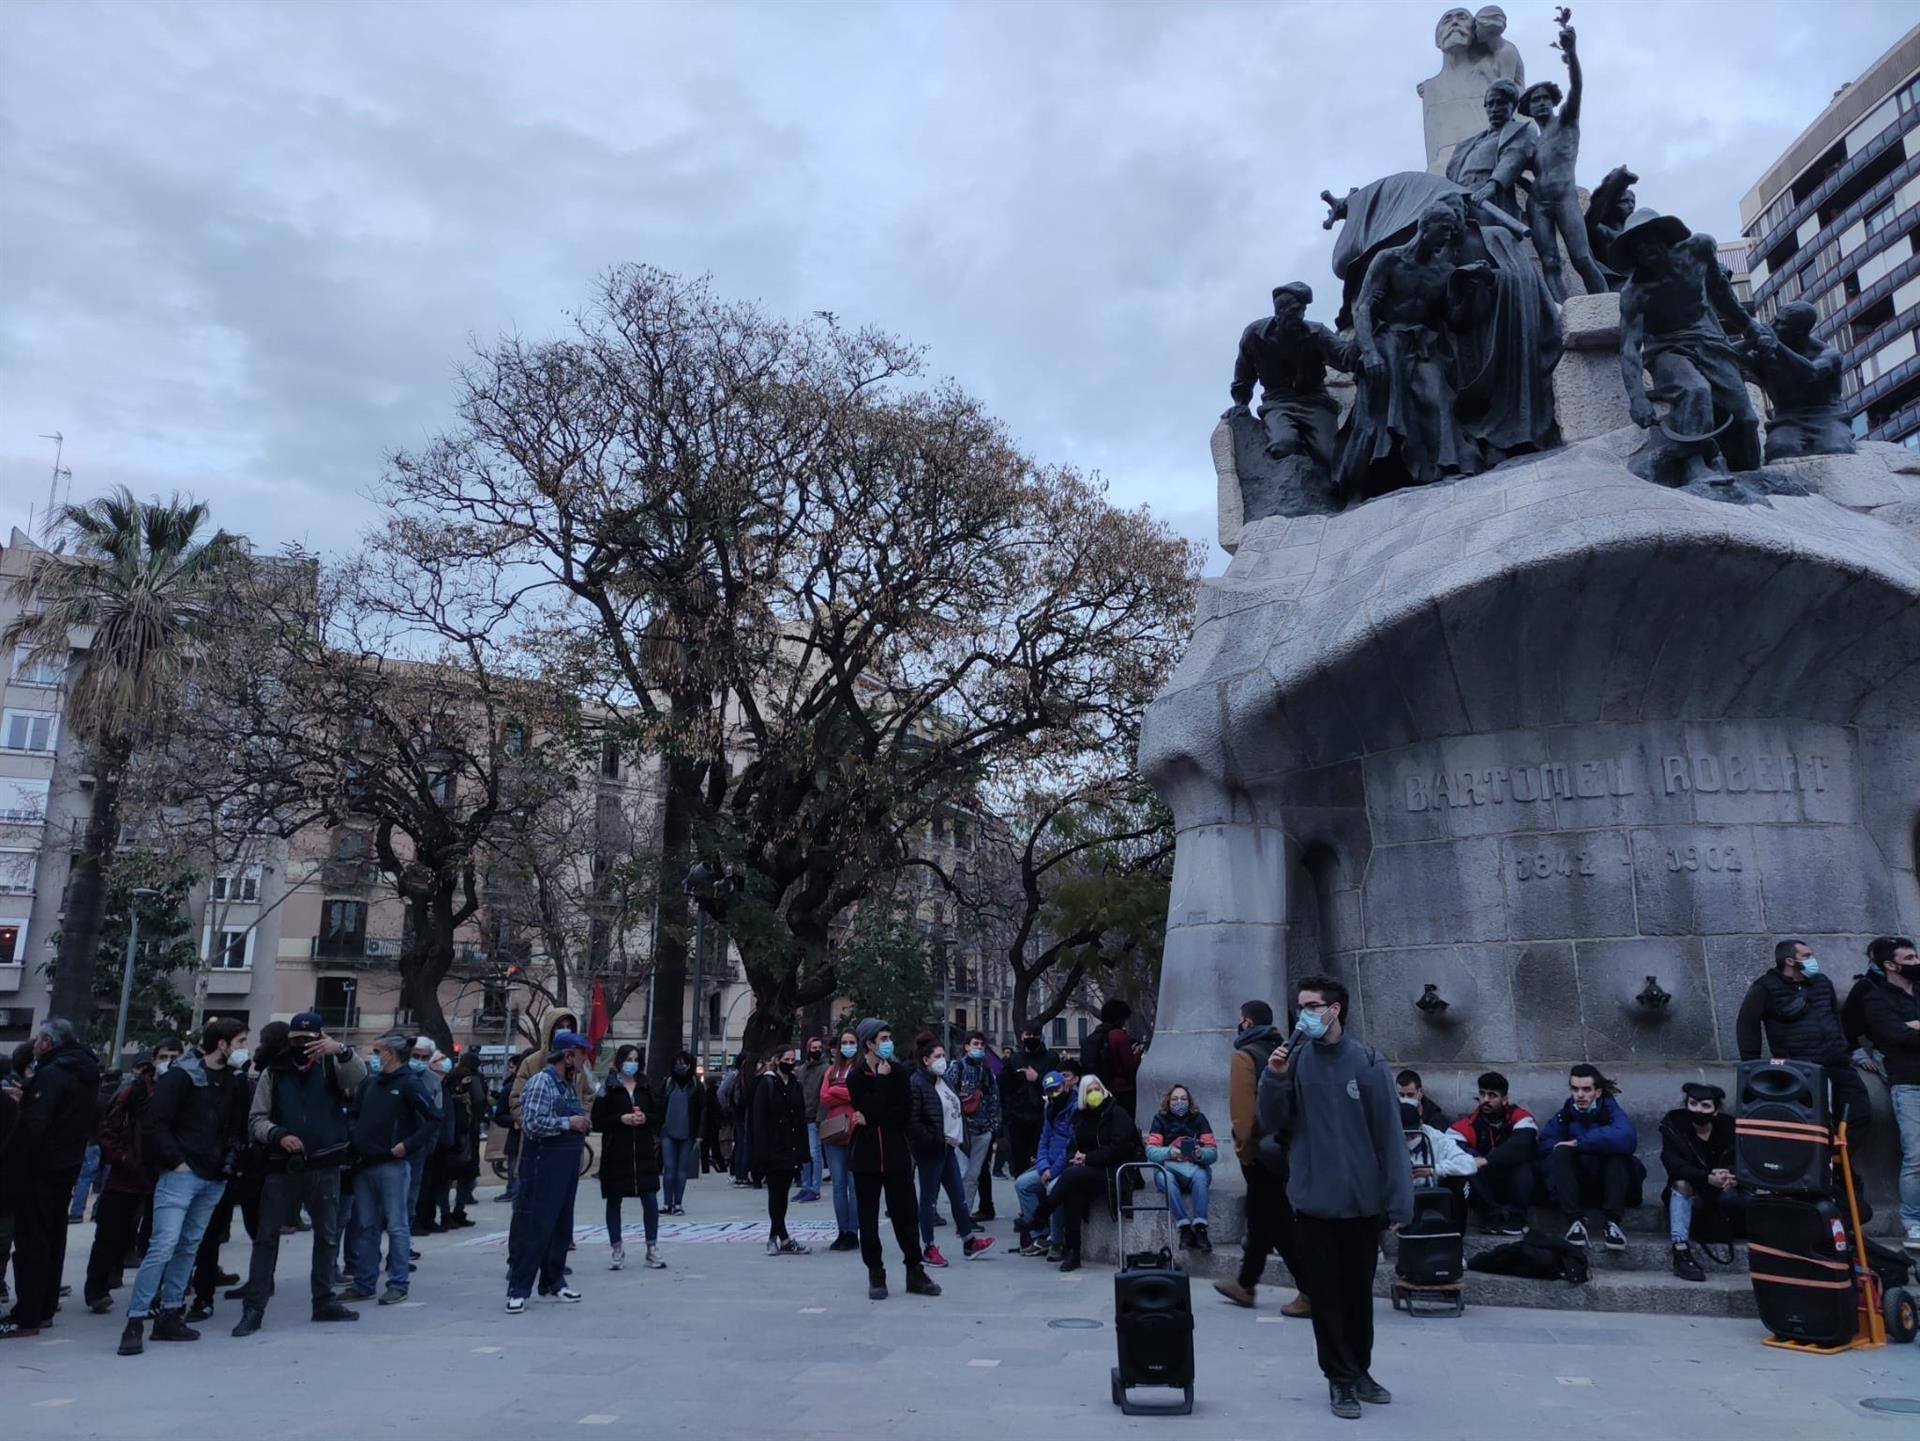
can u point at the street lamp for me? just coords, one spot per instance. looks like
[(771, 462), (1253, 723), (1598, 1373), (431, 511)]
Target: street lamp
[(126, 974)]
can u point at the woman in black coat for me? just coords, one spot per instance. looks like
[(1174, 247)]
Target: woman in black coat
[(627, 1117), (777, 1130), (1103, 1138), (882, 1102)]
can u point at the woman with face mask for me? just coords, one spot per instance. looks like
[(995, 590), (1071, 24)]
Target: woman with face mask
[(836, 1137), (882, 1165), (1181, 1140), (683, 1109), (937, 1135), (777, 1131), (628, 1120), (1103, 1138)]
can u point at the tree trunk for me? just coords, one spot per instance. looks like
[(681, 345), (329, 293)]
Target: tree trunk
[(86, 901), (426, 965), (667, 1014)]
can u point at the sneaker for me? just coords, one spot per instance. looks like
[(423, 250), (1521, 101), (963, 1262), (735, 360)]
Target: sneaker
[(979, 1216), (331, 1310), (505, 1198), (1912, 1243), (1055, 1252), (251, 1317), (919, 1283), (1184, 1237), (353, 1297), (516, 1304), (201, 1311), (1616, 1239), (1201, 1238), (791, 1247), (1033, 1248), (1342, 1400), (1235, 1292), (845, 1241), (934, 1258), (172, 1326), (392, 1296), (11, 1330), (976, 1246), (618, 1259), (773, 1246), (653, 1261), (876, 1285), (1299, 1308), (1372, 1392), (565, 1293), (1684, 1266), (100, 1305), (1577, 1234), (131, 1342)]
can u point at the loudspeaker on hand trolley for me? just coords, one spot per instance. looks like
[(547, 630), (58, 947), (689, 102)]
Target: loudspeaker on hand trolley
[(1430, 1254), (1153, 1313), (1782, 1132)]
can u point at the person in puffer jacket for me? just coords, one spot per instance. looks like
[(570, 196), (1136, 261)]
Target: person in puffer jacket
[(1060, 1089), (1587, 1151), (1181, 1140)]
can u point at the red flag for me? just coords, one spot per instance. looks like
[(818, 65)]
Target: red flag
[(598, 1022)]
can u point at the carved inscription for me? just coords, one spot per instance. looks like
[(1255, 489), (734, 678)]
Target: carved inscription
[(1543, 865), (1727, 772), (1709, 858)]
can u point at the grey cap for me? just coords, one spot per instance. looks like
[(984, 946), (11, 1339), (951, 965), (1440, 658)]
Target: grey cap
[(870, 1028), (398, 1042)]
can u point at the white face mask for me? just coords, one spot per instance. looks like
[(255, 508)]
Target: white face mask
[(238, 1058), (938, 1065), (160, 1068)]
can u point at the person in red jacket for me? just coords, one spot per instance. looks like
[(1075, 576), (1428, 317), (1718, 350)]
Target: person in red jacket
[(128, 1187), (1117, 1059)]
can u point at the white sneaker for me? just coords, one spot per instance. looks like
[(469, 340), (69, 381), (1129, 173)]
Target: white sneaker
[(565, 1293), (619, 1258), (654, 1263), (516, 1304)]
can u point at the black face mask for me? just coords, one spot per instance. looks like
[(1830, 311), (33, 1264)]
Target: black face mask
[(1031, 1045), (680, 1068), (787, 1066)]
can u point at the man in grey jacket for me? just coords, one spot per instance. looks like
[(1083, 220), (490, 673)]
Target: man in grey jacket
[(1348, 1180)]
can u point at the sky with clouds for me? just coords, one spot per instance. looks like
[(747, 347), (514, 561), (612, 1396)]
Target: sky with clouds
[(243, 247)]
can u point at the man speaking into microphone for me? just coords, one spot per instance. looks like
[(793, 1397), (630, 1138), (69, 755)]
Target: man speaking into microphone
[(1348, 1179)]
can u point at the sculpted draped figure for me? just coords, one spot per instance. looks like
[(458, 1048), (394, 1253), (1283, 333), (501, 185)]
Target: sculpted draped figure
[(1474, 53)]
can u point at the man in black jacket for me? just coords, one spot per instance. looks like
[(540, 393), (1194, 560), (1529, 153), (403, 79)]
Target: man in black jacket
[(1022, 1100), (1696, 1147), (58, 1110), (299, 1119), (194, 1126), (1892, 1010), (394, 1122), (1800, 1014)]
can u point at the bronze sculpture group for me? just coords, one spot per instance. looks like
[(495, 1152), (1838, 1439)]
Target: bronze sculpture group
[(1451, 329)]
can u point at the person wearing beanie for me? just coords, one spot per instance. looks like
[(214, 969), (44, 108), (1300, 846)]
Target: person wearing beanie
[(553, 1127), (881, 1090)]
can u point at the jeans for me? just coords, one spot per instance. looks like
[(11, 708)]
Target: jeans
[(1718, 1210), (380, 1206), (513, 1164), (1339, 1258), (810, 1173), (649, 1214), (1906, 1114), (846, 1208), (974, 1160), (1031, 1191), (543, 1215), (676, 1161), (281, 1197), (742, 1149), (416, 1174), (935, 1172), (182, 1205), (92, 1173), (1189, 1204)]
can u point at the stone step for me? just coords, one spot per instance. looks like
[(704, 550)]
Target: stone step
[(1644, 1252)]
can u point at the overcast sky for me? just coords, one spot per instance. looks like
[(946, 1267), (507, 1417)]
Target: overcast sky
[(243, 246)]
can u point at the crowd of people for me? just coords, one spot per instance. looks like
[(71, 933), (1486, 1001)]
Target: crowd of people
[(304, 1133)]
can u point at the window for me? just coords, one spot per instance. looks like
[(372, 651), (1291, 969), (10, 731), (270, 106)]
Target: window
[(1895, 352), (713, 1015), (513, 739), (959, 833), (1059, 1031), (1083, 1030), (1880, 219), (17, 871), (610, 759), (960, 1017), (23, 800), (343, 928), (939, 828), (333, 998), (493, 1005), (32, 672), (238, 885), (13, 940), (231, 950), (27, 730)]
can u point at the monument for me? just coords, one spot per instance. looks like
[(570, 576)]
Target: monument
[(1474, 52), (1561, 740)]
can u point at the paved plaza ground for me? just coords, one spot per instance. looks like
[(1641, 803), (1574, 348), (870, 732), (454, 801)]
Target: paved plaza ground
[(730, 1342)]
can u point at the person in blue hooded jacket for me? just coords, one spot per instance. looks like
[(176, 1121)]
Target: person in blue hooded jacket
[(1060, 1089), (1587, 1151)]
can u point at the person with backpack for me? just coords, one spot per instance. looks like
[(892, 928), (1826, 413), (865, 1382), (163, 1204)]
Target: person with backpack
[(128, 1189), (1263, 1166), (971, 1078), (1348, 1180), (1111, 1053), (298, 1119)]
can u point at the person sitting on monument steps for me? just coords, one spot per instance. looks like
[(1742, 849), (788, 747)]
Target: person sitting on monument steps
[(1587, 1149), (1289, 355), (1504, 1141), (1263, 1165), (1348, 1180), (1702, 1195), (1408, 1084), (1798, 1011), (1553, 203), (1674, 294), (1442, 1161), (1103, 1138), (1180, 1138)]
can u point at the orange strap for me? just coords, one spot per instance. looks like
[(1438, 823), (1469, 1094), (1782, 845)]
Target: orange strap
[(1753, 1246), (1791, 1281)]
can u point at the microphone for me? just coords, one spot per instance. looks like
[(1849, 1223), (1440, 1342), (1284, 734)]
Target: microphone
[(1293, 1041)]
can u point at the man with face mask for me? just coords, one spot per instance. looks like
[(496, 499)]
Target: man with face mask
[(1263, 1163), (810, 1072), (680, 1131), (1797, 1009), (1696, 1147), (553, 1125), (392, 1124), (1503, 1140), (1587, 1150), (1892, 1009), (1022, 1097)]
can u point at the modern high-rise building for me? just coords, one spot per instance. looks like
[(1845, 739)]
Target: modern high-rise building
[(1835, 221)]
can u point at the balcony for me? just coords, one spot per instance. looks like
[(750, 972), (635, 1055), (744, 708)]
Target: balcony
[(336, 1019), (1799, 265), (359, 952), (1832, 182), (347, 875)]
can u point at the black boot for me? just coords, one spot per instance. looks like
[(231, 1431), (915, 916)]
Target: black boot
[(331, 1310), (919, 1283), (1071, 1260), (131, 1342), (250, 1319), (172, 1326), (877, 1284), (1684, 1266)]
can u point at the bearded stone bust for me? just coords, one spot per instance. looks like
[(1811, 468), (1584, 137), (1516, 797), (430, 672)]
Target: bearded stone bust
[(1474, 53)]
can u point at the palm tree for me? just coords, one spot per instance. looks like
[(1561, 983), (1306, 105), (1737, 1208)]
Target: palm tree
[(134, 575)]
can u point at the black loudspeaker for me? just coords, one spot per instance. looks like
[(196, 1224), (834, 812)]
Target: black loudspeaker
[(1783, 1138), (1153, 1322), (1431, 1249), (1801, 1262)]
